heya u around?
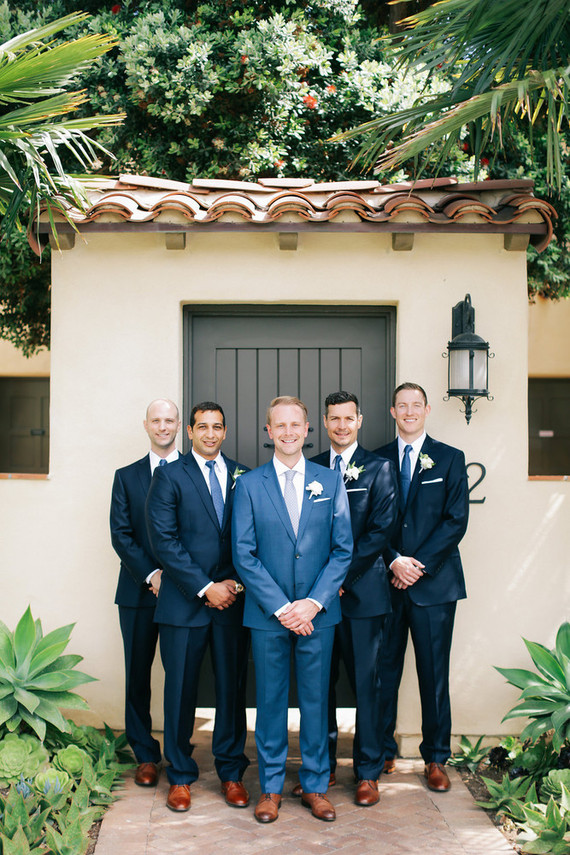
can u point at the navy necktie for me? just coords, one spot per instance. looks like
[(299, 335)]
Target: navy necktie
[(216, 492), (162, 461), (337, 460), (406, 474)]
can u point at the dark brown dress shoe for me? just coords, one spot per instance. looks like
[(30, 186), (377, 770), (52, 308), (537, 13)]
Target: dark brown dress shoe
[(298, 789), (146, 775), (178, 797), (267, 808), (367, 793), (437, 779), (319, 805), (235, 793), (389, 765)]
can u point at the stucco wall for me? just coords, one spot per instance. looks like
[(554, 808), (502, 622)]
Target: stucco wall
[(14, 364), (549, 338), (117, 343)]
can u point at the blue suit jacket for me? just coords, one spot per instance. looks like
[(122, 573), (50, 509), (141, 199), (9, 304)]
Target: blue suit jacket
[(373, 500), (192, 547), (129, 534), (433, 522), (275, 566)]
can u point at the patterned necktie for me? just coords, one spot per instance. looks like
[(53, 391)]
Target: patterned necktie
[(406, 474), (216, 492), (290, 496), (336, 466), (162, 462)]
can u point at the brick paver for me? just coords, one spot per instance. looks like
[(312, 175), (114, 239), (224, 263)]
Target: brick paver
[(408, 820)]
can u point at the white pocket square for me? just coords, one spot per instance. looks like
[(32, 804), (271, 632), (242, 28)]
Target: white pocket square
[(357, 490), (434, 481), (323, 500)]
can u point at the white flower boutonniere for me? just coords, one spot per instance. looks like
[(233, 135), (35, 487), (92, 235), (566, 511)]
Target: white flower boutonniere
[(315, 488), (235, 475), (426, 462), (352, 472)]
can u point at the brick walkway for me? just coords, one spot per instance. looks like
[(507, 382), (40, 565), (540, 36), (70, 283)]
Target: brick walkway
[(408, 820)]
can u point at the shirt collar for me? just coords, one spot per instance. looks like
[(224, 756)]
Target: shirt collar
[(416, 444), (201, 461), (281, 468), (346, 454), (155, 459)]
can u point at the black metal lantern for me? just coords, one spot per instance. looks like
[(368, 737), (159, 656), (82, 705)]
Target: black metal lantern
[(468, 353)]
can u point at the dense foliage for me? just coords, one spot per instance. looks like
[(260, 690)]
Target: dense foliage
[(240, 89)]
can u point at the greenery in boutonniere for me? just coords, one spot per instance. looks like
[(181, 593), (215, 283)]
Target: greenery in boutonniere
[(353, 472), (426, 462)]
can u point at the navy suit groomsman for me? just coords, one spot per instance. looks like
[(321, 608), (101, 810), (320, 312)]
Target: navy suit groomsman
[(189, 510), (427, 575), (292, 545), (138, 582), (372, 488)]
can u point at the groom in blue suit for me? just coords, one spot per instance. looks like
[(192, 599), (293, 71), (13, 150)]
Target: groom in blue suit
[(427, 576), (292, 545)]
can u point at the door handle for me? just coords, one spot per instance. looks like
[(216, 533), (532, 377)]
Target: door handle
[(37, 432)]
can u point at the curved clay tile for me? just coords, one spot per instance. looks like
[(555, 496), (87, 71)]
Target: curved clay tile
[(460, 207), (405, 202)]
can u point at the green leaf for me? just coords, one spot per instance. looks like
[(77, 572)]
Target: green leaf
[(24, 638), (563, 640), (545, 661), (8, 707), (27, 699), (520, 677)]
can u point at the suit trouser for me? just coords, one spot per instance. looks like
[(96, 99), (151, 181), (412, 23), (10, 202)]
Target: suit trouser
[(431, 628), (312, 660), (140, 634), (359, 642), (182, 650)]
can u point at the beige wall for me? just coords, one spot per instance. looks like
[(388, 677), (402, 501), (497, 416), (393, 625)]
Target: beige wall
[(549, 338), (14, 364), (117, 343)]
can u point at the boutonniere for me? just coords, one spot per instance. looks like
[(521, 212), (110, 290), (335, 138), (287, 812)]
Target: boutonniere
[(315, 488), (352, 472), (426, 462), (235, 475)]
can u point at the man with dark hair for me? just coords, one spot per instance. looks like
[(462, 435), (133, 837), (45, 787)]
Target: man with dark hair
[(427, 576), (199, 604), (292, 546), (372, 489), (139, 578)]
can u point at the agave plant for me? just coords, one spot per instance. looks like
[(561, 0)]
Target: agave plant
[(546, 828), (35, 679), (545, 694), (469, 755)]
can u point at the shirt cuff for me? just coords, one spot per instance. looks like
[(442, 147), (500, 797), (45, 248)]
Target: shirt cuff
[(150, 575), (316, 602), (204, 589), (281, 610)]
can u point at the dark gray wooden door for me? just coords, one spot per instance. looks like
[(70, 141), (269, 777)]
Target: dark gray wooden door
[(549, 426), (24, 424), (242, 358)]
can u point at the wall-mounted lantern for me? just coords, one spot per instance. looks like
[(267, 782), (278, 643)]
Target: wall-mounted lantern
[(468, 353)]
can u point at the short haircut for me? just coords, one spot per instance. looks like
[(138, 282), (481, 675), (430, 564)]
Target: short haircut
[(285, 401), (414, 386), (163, 401), (206, 407), (341, 398)]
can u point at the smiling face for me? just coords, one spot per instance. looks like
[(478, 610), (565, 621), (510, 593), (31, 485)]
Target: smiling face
[(162, 423), (287, 428), (207, 433), (342, 423), (410, 411)]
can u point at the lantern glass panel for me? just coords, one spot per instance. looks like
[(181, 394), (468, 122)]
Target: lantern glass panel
[(480, 370), (458, 369)]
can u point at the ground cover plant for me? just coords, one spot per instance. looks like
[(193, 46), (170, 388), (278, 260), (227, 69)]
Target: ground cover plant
[(56, 777)]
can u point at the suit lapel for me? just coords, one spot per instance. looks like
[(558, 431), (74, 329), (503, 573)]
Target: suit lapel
[(311, 474), (193, 471), (416, 478), (143, 471), (231, 467), (271, 484)]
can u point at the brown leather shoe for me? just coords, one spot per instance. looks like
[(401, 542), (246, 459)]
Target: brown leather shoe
[(437, 779), (389, 765), (146, 775), (267, 808), (235, 793), (319, 806), (367, 793), (178, 797), (298, 789)]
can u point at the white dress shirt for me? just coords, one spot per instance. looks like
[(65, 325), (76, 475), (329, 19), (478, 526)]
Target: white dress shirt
[(220, 469), (414, 453), (344, 457)]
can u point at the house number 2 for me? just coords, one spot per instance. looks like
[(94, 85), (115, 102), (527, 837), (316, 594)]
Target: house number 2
[(482, 473)]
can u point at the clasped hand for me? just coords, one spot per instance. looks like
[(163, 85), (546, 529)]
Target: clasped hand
[(220, 595), (406, 570), (298, 617)]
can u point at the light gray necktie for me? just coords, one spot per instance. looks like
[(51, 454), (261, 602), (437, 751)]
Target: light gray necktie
[(290, 496)]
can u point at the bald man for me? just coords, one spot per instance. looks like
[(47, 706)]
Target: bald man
[(139, 579)]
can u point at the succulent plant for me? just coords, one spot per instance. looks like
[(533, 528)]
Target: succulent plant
[(20, 756), (72, 760), (551, 785)]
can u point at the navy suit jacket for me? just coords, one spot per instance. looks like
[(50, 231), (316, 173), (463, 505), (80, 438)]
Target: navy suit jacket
[(276, 567), (433, 522), (373, 500), (129, 534), (192, 547)]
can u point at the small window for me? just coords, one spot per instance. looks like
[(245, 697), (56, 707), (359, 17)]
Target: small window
[(549, 426), (24, 425)]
